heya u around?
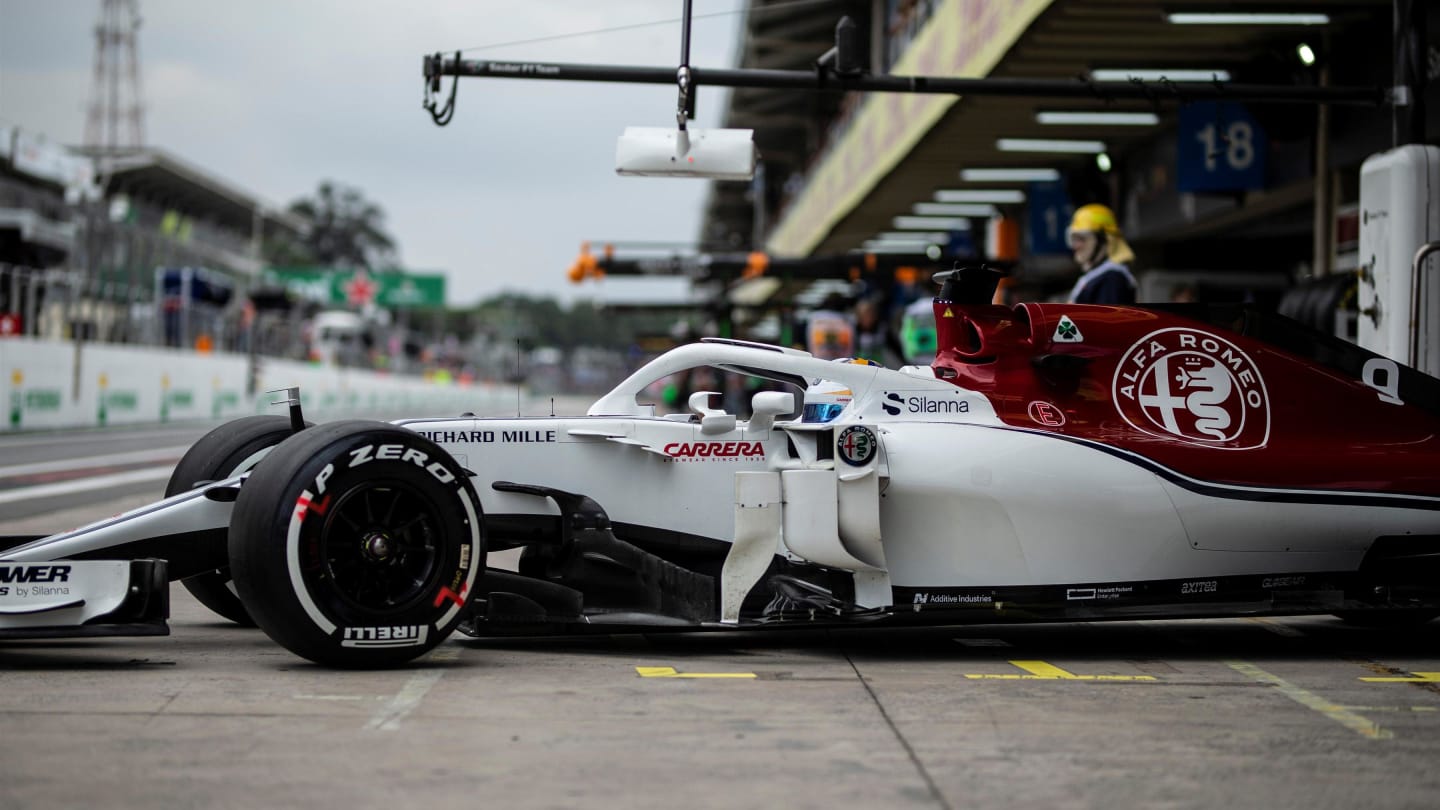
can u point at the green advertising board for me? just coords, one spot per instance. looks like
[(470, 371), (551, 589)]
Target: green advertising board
[(386, 288)]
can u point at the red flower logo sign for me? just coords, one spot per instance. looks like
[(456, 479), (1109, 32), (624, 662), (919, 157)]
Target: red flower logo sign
[(1193, 386), (360, 290)]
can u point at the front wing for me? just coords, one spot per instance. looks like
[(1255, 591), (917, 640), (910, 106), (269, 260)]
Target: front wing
[(71, 598)]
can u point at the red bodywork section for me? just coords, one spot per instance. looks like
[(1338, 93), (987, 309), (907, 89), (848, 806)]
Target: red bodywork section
[(1203, 401)]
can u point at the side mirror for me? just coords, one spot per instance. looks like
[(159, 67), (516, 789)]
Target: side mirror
[(767, 405), (717, 423), (711, 421)]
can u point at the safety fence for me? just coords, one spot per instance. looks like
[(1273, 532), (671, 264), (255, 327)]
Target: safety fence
[(46, 384)]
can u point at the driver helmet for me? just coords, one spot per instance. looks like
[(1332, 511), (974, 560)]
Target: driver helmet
[(824, 400)]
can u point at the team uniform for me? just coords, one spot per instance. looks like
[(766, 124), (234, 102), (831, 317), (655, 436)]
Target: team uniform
[(1109, 283)]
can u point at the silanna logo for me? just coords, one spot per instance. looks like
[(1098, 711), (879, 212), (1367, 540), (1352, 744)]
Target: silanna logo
[(1194, 386), (894, 403)]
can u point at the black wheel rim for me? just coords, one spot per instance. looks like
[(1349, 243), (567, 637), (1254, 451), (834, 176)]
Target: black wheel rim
[(380, 547)]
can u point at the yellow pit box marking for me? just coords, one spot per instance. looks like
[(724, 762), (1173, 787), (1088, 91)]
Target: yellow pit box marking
[(1418, 677), (1041, 671), (670, 672), (1360, 725)]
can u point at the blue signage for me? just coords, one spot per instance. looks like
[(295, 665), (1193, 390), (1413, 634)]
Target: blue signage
[(1219, 147), (961, 245), (1047, 215)]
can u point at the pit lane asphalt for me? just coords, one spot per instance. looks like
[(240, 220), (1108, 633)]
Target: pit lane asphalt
[(1240, 713)]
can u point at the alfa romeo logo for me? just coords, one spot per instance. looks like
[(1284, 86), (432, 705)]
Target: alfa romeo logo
[(1185, 384), (856, 445)]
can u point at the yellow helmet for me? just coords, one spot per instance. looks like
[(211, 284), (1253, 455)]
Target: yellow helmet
[(1100, 219), (1094, 217)]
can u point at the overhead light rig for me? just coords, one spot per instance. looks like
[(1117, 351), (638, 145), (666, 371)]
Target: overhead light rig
[(1158, 91), (839, 70), (729, 268)]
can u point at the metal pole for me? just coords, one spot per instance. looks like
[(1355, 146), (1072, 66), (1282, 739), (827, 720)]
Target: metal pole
[(685, 35), (1153, 92), (132, 283), (760, 208), (32, 304), (89, 268), (685, 109), (1420, 67), (252, 355), (187, 276), (257, 233), (112, 73), (1408, 116), (1324, 214), (1400, 88), (1416, 287)]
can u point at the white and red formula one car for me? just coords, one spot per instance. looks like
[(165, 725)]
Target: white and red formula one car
[(1056, 462)]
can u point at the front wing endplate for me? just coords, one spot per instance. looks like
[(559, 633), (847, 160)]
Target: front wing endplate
[(70, 598)]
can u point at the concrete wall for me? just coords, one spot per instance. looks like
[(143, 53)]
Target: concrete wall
[(47, 384)]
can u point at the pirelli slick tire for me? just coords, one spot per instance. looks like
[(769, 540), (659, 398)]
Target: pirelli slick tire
[(357, 544), (226, 451)]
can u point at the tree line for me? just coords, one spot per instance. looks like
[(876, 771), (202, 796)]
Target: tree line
[(348, 230)]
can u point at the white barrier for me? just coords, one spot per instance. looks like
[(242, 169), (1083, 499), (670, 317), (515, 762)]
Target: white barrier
[(47, 384)]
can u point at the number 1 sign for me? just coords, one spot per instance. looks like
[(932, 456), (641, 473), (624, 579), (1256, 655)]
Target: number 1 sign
[(1048, 211)]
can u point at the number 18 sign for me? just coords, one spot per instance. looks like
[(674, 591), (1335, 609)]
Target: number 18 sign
[(1219, 147)]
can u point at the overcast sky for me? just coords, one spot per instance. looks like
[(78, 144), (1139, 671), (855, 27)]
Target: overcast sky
[(276, 96)]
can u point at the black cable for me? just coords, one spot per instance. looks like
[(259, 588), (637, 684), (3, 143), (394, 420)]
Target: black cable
[(1145, 91), (1088, 81), (442, 116), (760, 10)]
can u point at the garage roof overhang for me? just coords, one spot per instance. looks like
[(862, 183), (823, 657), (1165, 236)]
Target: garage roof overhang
[(892, 150)]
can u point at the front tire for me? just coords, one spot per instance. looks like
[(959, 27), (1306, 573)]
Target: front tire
[(225, 452), (357, 544)]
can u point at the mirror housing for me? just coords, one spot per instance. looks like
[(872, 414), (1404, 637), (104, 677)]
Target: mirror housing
[(719, 154), (767, 405), (711, 421), (717, 423)]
